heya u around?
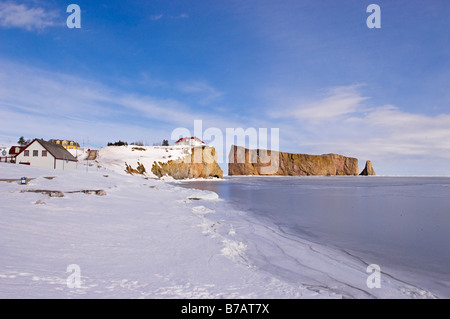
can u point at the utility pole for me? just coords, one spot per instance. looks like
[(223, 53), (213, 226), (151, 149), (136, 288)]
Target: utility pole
[(87, 158), (76, 155)]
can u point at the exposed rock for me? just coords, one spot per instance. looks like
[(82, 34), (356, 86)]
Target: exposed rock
[(98, 192), (201, 163), (51, 193), (243, 161), (45, 192), (368, 170), (140, 169)]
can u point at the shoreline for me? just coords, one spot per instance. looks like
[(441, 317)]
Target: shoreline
[(426, 278), (155, 242)]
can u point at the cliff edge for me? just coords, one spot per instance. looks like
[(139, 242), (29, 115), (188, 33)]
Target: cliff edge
[(200, 163)]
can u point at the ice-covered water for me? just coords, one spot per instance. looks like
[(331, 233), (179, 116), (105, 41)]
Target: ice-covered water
[(400, 223)]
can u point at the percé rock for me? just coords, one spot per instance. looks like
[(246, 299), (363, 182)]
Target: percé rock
[(243, 161), (201, 163), (368, 170)]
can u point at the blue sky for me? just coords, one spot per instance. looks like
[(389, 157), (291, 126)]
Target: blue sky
[(136, 70)]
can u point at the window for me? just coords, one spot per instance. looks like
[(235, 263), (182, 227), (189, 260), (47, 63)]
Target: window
[(35, 153), (44, 153), (26, 153)]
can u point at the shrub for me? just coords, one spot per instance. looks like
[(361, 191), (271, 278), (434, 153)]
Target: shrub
[(119, 143)]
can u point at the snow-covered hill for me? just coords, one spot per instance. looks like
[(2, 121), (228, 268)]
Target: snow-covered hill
[(114, 158)]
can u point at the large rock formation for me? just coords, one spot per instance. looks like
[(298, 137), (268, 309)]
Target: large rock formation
[(201, 163), (368, 170), (243, 161)]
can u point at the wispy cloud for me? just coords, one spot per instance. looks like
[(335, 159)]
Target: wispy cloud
[(180, 16), (13, 15), (46, 103), (392, 131), (342, 122), (337, 102), (156, 17), (38, 92), (205, 92), (340, 101), (160, 16)]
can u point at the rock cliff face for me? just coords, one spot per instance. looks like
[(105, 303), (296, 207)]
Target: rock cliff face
[(243, 161), (368, 170), (201, 163)]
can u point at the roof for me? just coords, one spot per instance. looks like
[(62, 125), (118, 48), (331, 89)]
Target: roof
[(190, 138), (12, 150), (58, 151)]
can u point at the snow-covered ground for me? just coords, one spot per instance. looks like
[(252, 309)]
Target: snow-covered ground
[(149, 239), (80, 154), (113, 157), (144, 239)]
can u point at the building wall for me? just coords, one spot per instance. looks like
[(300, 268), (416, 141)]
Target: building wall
[(70, 145), (48, 161), (66, 165)]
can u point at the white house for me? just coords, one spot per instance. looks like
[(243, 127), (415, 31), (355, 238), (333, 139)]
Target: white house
[(46, 154), (190, 141)]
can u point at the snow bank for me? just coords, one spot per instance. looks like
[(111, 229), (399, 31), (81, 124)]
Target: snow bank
[(114, 157), (80, 155), (144, 239)]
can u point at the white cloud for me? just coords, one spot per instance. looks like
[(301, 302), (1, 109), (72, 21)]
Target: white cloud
[(341, 122), (14, 15), (398, 132)]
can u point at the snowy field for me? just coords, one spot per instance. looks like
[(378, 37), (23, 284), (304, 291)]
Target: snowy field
[(136, 237)]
